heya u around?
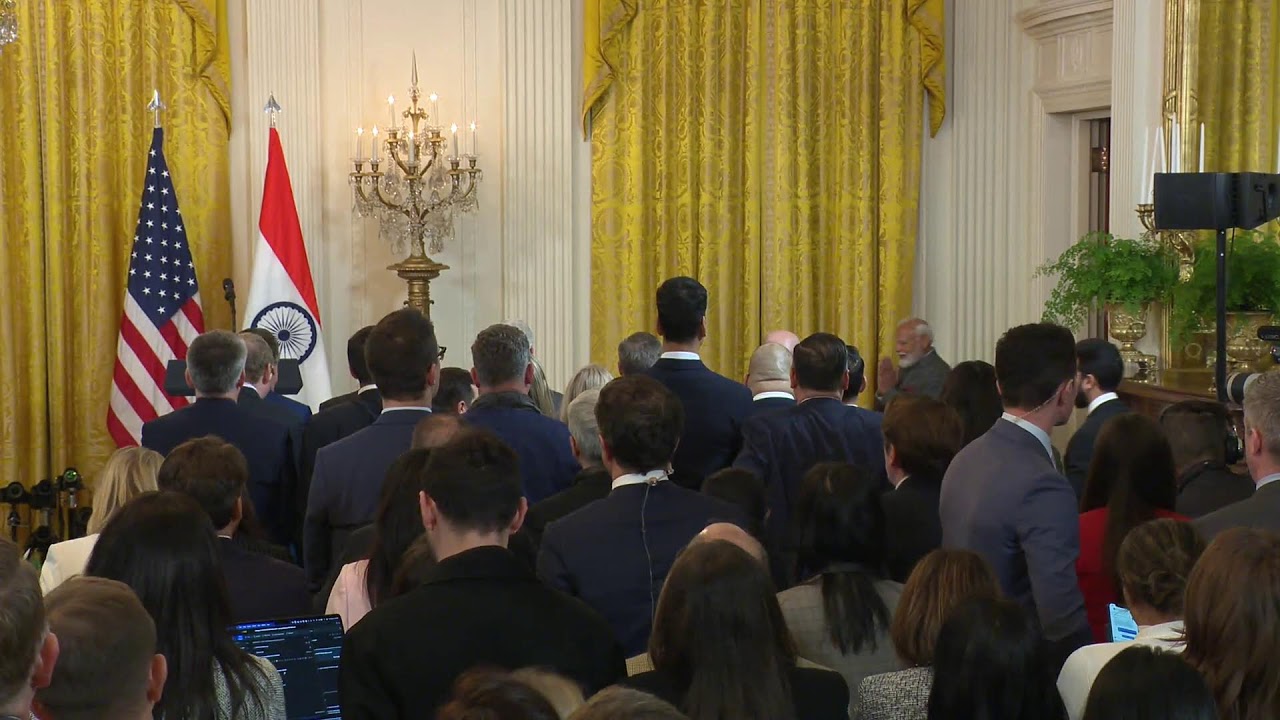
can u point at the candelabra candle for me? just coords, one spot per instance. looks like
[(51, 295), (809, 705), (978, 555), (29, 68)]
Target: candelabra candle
[(435, 109), (391, 103), (359, 144), (374, 159), (412, 147), (454, 130), (475, 150)]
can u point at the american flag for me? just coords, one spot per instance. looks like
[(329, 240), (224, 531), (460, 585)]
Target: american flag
[(162, 312)]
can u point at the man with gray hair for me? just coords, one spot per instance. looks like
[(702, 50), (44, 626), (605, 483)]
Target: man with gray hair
[(28, 651), (920, 371), (1262, 455), (215, 370), (541, 392), (502, 368), (769, 378), (637, 353), (260, 374)]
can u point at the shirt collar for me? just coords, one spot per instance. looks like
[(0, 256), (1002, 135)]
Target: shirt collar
[(1164, 631), (1267, 480), (366, 388), (1036, 432), (852, 404), (1103, 398), (679, 355), (386, 410), (773, 394), (653, 477)]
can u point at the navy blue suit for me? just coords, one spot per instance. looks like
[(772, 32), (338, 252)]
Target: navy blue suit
[(263, 441), (600, 553), (302, 411), (547, 465), (347, 484), (714, 410), (770, 404)]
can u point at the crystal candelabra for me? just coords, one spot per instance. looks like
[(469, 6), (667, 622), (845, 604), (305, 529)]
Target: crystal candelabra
[(414, 188), (8, 22)]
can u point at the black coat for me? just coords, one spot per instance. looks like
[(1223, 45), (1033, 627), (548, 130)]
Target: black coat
[(1209, 487), (714, 410), (815, 694), (590, 485), (912, 526), (1080, 446), (331, 425), (260, 587)]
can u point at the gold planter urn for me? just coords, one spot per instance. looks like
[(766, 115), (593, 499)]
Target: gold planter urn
[(1128, 328), (1244, 349)]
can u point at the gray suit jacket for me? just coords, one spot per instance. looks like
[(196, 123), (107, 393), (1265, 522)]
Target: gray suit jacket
[(1260, 511), (926, 377), (1003, 499)]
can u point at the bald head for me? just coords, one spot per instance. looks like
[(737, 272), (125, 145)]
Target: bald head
[(785, 338), (733, 534), (770, 369)]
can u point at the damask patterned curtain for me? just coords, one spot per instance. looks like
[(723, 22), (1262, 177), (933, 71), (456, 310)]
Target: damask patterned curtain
[(1236, 84)]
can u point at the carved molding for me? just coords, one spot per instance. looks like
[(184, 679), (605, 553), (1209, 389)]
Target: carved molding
[(1067, 16), (1077, 96), (1073, 57)]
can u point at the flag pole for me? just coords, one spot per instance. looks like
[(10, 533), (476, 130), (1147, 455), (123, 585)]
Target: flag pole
[(156, 105), (272, 109)]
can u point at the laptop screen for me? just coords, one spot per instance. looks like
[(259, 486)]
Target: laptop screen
[(307, 652)]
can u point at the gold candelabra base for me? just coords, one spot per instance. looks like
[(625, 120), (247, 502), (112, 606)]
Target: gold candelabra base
[(418, 271)]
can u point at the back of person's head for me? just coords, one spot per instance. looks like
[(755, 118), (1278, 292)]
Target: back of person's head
[(162, 545), (108, 663), (939, 582), (455, 394), (563, 694), (638, 352), (397, 524), (622, 703), (640, 423), (821, 363), (857, 373), (1032, 363), (1262, 421), (473, 482), (720, 634), (23, 645), (923, 433), (1154, 563), (583, 428), (1232, 621), (129, 472), (991, 662), (730, 533), (356, 362), (842, 537), (210, 471), (483, 694), (540, 390), (501, 354), (590, 377), (743, 488), (1100, 360), (682, 309), (770, 363), (1132, 475), (268, 337), (414, 569), (257, 356), (1197, 432), (435, 430), (401, 352), (971, 389), (215, 362), (1147, 683)]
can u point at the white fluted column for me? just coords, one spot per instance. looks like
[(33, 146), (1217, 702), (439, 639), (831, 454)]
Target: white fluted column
[(1137, 73)]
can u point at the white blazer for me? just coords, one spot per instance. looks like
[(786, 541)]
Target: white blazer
[(65, 561)]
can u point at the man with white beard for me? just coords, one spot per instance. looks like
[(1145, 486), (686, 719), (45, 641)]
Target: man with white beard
[(920, 371)]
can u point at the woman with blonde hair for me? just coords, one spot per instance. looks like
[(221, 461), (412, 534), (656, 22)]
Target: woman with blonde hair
[(129, 472), (590, 377)]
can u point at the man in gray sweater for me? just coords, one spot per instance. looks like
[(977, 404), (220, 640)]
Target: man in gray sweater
[(920, 371)]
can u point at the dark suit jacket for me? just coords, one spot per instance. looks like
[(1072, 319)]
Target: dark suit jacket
[(479, 607), (770, 404), (615, 553), (815, 694), (547, 465), (1261, 511), (347, 484), (264, 442), (337, 400), (590, 485), (1207, 487), (259, 587), (926, 378), (301, 411), (1003, 499), (329, 426), (1080, 447), (249, 398), (714, 410), (912, 526)]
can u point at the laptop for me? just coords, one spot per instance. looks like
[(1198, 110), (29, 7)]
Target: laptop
[(306, 651)]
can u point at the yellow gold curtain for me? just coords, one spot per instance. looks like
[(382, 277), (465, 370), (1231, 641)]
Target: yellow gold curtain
[(1235, 83), (771, 149), (74, 152)]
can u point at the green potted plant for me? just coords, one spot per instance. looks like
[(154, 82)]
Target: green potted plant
[(1122, 275)]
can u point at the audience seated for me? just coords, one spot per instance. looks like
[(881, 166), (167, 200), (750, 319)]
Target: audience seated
[(637, 353), (714, 406), (920, 370), (840, 615), (620, 703), (162, 545), (735, 535), (300, 411), (769, 378), (129, 472), (1153, 565), (1099, 372), (991, 662), (590, 377), (109, 667), (743, 489), (721, 649), (1262, 455), (857, 376), (502, 362), (970, 388), (215, 370), (260, 376), (28, 651), (563, 694), (1144, 683), (213, 473), (1131, 481), (357, 367), (1003, 498), (363, 584), (616, 552), (493, 694), (921, 436), (1231, 620), (456, 392), (1198, 432), (478, 605), (940, 581), (404, 360)]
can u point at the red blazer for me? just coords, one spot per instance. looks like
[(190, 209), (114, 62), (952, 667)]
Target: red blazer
[(1095, 584)]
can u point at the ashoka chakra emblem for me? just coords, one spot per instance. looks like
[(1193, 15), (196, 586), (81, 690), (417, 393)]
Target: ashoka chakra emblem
[(292, 325)]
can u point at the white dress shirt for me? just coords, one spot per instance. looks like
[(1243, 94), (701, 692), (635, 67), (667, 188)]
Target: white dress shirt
[(773, 394), (1082, 668), (653, 477), (394, 409), (66, 560), (1103, 398), (679, 355), (1030, 427), (1265, 480)]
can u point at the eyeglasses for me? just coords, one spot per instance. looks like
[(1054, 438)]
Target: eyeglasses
[(440, 356)]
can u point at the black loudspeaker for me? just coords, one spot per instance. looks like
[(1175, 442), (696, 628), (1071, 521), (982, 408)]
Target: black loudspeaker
[(175, 378), (1215, 201)]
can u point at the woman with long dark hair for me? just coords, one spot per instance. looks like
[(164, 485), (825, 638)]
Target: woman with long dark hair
[(361, 585), (971, 389), (163, 546), (1146, 683), (720, 647), (840, 616), (1131, 480)]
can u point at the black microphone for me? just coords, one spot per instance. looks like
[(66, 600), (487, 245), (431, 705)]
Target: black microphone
[(1270, 333), (229, 293)]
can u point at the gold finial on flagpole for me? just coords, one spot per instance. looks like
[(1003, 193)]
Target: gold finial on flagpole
[(156, 106), (272, 109)]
